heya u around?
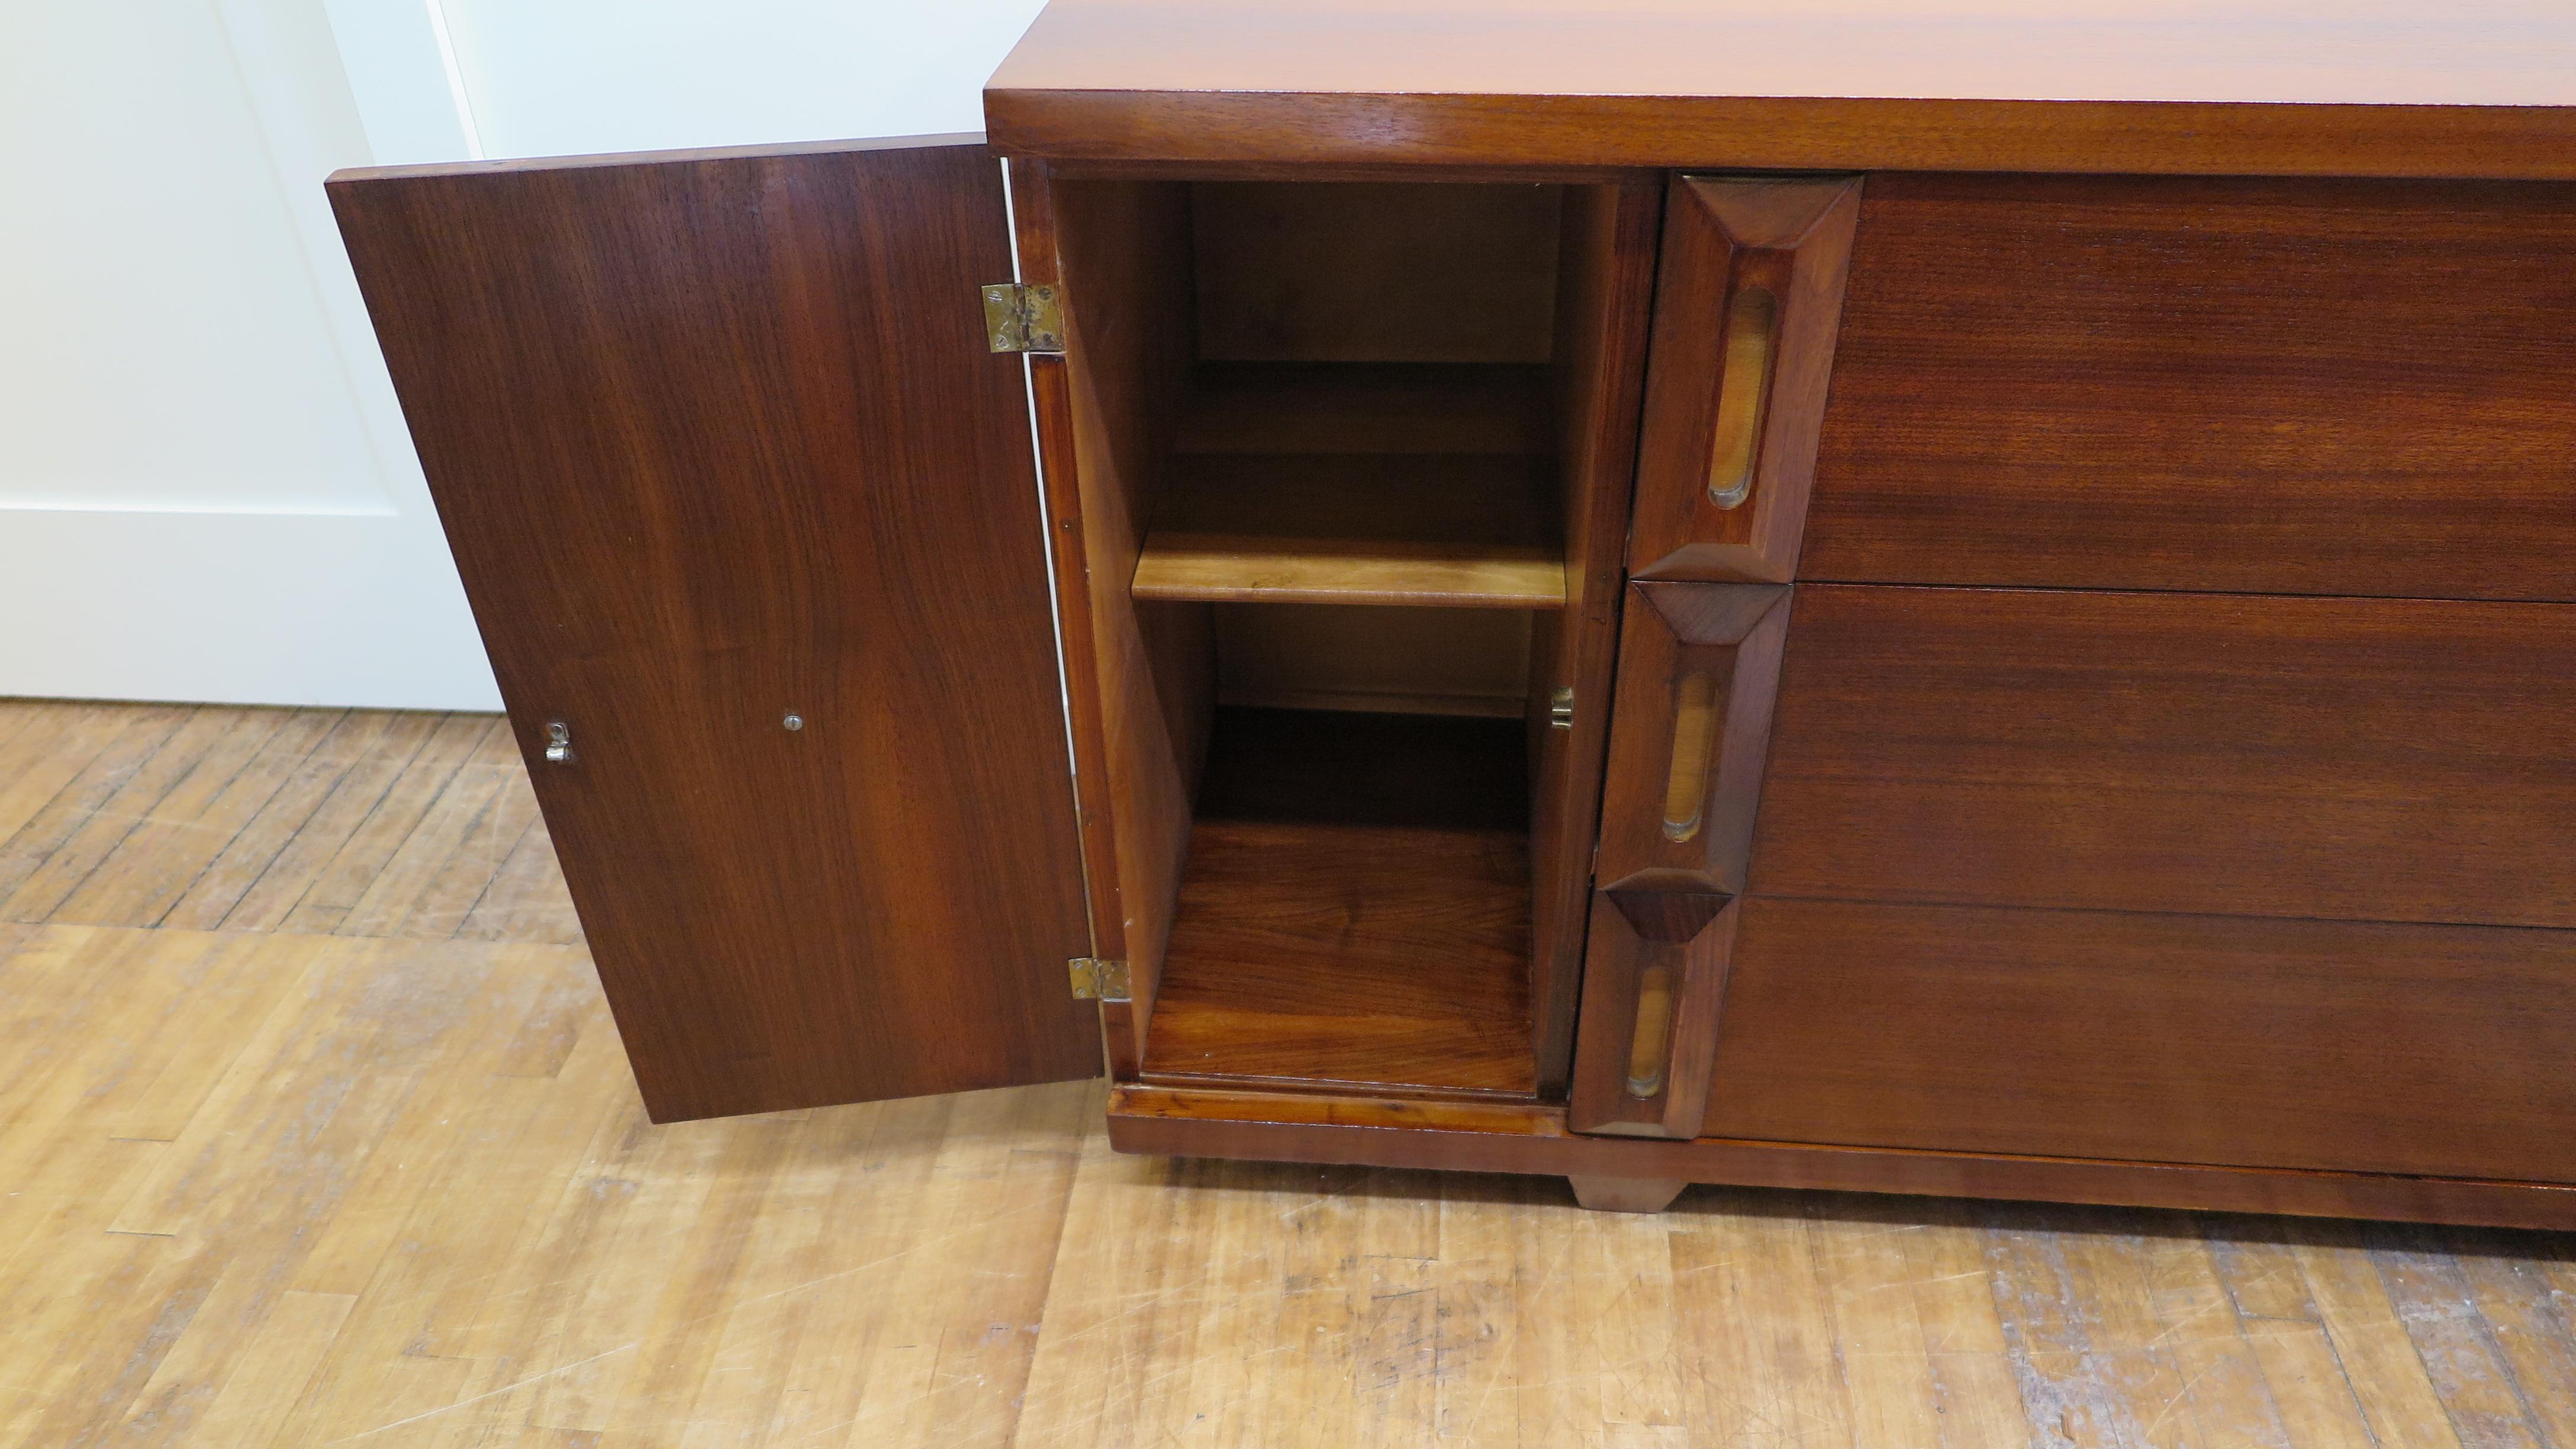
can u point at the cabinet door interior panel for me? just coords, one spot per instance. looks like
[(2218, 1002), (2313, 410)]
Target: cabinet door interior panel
[(2319, 387), (2197, 1039), (717, 443), (2367, 759)]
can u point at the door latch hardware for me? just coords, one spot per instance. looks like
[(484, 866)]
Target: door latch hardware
[(1098, 980), (1560, 708), (1022, 319), (558, 742)]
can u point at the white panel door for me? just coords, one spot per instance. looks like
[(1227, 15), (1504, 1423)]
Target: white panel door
[(206, 492)]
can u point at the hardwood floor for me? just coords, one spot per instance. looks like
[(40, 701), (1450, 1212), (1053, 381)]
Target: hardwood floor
[(314, 1130), (316, 822)]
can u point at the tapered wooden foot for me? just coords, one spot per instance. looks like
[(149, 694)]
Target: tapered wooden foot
[(1626, 1194)]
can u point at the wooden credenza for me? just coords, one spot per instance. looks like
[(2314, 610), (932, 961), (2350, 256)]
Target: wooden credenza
[(1508, 613)]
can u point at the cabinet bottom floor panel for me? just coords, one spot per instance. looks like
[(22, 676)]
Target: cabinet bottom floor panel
[(1355, 909)]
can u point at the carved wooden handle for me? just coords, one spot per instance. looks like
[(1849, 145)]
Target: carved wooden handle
[(1744, 386), (1650, 1038)]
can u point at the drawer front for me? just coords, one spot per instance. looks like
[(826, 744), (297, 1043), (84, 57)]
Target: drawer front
[(2239, 385), (2292, 1044), (2364, 759)]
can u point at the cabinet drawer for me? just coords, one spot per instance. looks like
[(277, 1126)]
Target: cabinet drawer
[(2280, 386), (2295, 1044), (2365, 759)]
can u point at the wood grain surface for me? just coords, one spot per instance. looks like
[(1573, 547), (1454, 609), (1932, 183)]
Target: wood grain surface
[(1106, 412), (289, 1189), (2438, 1050), (636, 387), (1654, 981), (1448, 532), (315, 822), (1471, 1136), (1390, 132), (2287, 87), (1699, 677), (1355, 908), (2361, 759), (2309, 387), (1306, 271), (2301, 52), (1605, 288)]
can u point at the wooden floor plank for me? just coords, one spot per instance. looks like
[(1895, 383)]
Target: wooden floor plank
[(1752, 1304), (261, 1383), (2508, 1278), (442, 906), (355, 738), (56, 745), (1978, 1394), (18, 715), (2468, 1368), (68, 802), (1480, 1319), (349, 798), (527, 899), (2302, 1371), (391, 817), (199, 759), (1869, 1280), (2223, 1386), (152, 867), (447, 858), (2397, 1395)]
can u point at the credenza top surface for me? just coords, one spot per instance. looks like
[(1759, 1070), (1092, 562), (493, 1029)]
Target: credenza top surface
[(2375, 87), (2371, 52)]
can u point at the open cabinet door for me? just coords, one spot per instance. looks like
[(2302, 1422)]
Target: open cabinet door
[(749, 519)]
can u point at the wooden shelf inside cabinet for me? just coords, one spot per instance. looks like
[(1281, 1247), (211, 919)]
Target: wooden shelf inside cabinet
[(1355, 910), (1360, 484)]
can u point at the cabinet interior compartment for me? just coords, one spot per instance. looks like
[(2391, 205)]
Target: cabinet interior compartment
[(1367, 417), (1324, 419)]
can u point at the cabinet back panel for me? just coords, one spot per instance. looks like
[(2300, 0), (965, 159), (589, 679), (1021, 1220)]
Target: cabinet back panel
[(716, 439), (1345, 271), (2279, 386), (2197, 1039), (1351, 657), (2368, 759)]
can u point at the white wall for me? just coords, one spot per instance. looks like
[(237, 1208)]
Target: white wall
[(205, 489)]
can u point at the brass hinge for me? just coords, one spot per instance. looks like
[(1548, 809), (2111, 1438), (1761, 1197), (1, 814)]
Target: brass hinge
[(1097, 980), (1023, 319)]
